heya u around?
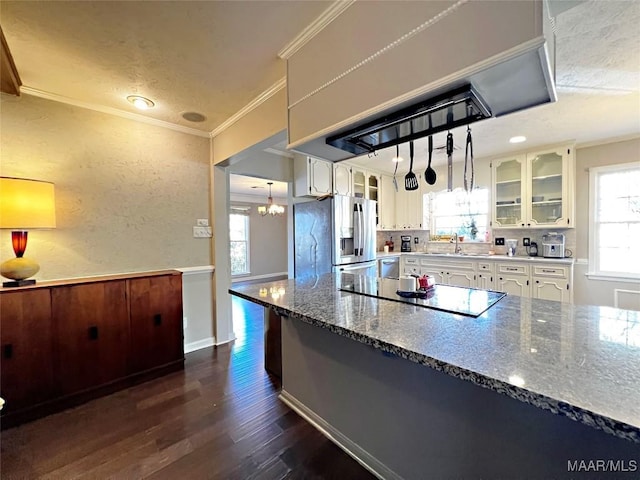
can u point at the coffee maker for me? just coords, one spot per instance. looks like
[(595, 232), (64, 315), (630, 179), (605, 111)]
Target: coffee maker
[(405, 245)]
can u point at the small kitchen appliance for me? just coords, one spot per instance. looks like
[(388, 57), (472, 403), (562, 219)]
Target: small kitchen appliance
[(405, 245), (512, 243), (532, 250), (553, 245)]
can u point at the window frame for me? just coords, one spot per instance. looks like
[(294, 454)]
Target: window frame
[(245, 215), (431, 220), (593, 271)]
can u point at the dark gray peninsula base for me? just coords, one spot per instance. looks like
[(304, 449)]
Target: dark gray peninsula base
[(530, 389)]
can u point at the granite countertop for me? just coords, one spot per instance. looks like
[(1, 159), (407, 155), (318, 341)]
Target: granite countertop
[(579, 361), (472, 256)]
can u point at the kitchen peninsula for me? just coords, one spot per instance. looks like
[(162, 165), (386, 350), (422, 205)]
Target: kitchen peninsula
[(411, 392)]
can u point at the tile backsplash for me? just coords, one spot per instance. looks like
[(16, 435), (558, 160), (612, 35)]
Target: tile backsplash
[(424, 245)]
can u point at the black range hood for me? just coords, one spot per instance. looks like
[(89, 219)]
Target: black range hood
[(458, 107)]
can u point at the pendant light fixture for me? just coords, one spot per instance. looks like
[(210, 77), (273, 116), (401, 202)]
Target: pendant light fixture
[(270, 208)]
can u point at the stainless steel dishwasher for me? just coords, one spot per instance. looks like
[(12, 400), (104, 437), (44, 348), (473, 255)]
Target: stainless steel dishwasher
[(389, 267)]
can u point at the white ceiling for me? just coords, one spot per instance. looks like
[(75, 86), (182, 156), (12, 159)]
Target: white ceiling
[(214, 57)]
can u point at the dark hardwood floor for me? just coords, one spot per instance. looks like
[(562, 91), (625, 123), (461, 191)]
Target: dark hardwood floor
[(220, 418)]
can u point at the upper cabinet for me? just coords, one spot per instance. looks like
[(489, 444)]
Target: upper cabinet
[(312, 176), (342, 179), (535, 189), (387, 203)]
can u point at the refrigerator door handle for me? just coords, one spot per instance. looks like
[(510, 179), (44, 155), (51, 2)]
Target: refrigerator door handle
[(362, 231)]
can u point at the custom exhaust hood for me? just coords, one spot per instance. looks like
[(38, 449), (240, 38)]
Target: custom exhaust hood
[(514, 82), (521, 82)]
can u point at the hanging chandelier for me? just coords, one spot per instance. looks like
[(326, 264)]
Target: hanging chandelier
[(270, 208)]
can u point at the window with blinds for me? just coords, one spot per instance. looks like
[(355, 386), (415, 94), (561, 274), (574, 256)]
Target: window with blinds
[(466, 214), (615, 220), (239, 240)]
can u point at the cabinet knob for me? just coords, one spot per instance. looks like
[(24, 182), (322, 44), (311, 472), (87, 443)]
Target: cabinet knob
[(7, 350), (523, 224), (93, 333)]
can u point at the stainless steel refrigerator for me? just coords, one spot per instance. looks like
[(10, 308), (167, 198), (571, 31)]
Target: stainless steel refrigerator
[(337, 233)]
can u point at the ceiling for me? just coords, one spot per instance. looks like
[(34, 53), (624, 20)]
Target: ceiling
[(210, 57), (215, 57)]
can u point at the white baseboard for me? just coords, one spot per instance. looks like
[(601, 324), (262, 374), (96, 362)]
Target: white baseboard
[(258, 277), (204, 343), (226, 341), (360, 455)]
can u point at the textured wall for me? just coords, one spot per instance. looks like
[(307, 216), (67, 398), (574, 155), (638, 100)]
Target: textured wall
[(127, 193)]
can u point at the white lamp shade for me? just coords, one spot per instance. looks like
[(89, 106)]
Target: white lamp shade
[(26, 204)]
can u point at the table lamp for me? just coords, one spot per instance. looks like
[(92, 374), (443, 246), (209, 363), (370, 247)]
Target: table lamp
[(24, 205)]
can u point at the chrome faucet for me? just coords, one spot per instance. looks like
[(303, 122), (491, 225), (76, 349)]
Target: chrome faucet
[(458, 248)]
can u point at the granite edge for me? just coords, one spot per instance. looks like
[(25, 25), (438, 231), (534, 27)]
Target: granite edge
[(557, 407)]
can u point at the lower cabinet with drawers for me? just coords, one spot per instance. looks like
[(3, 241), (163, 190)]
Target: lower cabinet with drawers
[(65, 342), (526, 278)]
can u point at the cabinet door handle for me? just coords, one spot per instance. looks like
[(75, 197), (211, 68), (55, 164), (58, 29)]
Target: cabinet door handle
[(93, 333), (157, 319), (7, 350), (523, 224), (527, 282), (537, 281), (511, 269), (548, 271), (500, 278), (491, 279)]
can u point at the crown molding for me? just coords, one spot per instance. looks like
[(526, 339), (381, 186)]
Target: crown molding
[(256, 102), (113, 111), (315, 27)]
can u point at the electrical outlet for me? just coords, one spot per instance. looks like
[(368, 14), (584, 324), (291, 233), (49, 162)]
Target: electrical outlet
[(202, 232), (526, 242), (416, 240), (499, 240), (202, 222)]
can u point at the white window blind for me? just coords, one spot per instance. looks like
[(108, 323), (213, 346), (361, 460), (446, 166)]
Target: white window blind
[(615, 220), (458, 212)]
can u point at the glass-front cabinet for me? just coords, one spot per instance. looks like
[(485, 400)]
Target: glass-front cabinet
[(534, 189), (508, 193)]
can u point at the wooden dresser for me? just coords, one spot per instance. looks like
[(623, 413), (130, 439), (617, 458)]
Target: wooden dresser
[(65, 342)]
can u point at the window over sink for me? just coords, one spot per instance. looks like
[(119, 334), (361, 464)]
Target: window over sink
[(466, 214)]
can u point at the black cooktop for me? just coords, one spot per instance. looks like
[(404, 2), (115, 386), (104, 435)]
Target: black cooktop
[(465, 301)]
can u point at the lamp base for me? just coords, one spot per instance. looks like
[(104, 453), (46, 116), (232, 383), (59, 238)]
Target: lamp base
[(18, 283), (19, 269)]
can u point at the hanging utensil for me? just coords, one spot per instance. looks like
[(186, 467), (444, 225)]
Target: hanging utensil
[(395, 170), (449, 151), (410, 179), (449, 161), (468, 158), (430, 173)]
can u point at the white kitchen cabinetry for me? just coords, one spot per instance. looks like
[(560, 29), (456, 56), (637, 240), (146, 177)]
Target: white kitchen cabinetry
[(408, 207), (456, 273), (342, 180), (513, 278), (551, 283), (410, 265), (312, 177), (535, 189), (387, 203), (484, 275)]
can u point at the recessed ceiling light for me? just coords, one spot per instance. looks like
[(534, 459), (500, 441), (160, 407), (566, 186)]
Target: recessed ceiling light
[(516, 380), (518, 139), (194, 117), (139, 102)]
